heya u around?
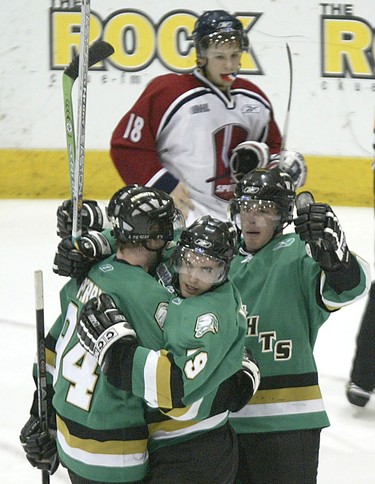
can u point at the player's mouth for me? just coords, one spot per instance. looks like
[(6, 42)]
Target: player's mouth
[(252, 233), (229, 77), (190, 289)]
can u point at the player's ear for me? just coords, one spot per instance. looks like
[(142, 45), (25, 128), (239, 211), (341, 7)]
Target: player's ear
[(201, 61)]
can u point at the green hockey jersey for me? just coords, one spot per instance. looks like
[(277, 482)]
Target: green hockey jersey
[(288, 298), (204, 345), (101, 431)]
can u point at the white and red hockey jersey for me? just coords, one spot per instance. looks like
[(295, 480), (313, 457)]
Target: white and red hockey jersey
[(183, 128)]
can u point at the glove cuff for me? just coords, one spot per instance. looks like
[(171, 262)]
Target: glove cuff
[(98, 248), (346, 276), (109, 337), (252, 370)]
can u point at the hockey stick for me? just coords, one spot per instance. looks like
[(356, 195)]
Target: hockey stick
[(287, 116), (83, 68), (98, 51), (373, 171), (41, 359)]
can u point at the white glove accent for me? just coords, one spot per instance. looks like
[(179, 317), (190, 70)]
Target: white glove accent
[(293, 163), (94, 245), (109, 337), (247, 156), (107, 224), (252, 369)]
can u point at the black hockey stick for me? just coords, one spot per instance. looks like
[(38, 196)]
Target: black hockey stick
[(41, 359), (97, 52)]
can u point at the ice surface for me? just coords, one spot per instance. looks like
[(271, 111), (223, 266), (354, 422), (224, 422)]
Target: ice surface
[(28, 243)]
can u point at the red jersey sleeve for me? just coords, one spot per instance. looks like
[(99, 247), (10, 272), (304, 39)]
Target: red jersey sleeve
[(133, 142)]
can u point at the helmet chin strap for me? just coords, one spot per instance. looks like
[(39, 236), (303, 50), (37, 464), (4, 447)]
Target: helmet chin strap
[(160, 249)]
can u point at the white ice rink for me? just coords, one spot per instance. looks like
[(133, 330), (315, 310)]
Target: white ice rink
[(28, 241)]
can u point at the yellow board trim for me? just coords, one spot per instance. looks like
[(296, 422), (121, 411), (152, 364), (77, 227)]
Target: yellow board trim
[(45, 174), (345, 181)]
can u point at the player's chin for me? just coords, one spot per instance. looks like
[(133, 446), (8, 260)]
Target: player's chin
[(253, 241)]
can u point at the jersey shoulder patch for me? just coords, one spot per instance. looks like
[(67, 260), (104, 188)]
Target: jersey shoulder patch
[(206, 323)]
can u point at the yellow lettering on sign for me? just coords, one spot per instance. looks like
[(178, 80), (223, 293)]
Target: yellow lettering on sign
[(248, 63), (136, 40), (345, 47), (175, 49), (133, 38), (65, 40)]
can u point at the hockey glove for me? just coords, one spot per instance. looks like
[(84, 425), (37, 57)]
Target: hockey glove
[(292, 163), (318, 226), (247, 381), (101, 324), (40, 446), (246, 157), (236, 391), (94, 217), (76, 262)]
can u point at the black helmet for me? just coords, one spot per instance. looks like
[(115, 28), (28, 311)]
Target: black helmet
[(208, 238), (268, 185), (215, 27), (140, 213)]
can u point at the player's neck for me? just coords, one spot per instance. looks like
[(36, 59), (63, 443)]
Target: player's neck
[(137, 256)]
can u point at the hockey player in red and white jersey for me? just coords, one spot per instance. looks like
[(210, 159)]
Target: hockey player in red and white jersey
[(181, 133)]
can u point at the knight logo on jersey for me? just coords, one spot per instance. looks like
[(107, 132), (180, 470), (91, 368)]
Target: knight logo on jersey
[(205, 324)]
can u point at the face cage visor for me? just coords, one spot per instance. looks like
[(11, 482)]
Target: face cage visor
[(199, 265), (232, 38), (263, 211)]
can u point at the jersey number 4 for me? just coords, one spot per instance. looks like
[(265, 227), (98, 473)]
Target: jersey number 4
[(77, 367)]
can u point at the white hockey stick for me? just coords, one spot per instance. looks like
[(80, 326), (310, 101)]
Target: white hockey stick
[(287, 116), (82, 97)]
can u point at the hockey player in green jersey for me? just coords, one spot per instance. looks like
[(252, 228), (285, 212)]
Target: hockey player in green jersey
[(290, 284), (102, 433), (195, 378)]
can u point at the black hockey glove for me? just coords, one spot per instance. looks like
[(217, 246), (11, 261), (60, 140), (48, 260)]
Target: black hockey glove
[(246, 157), (76, 263), (318, 226), (101, 324), (235, 392), (40, 447), (94, 217), (293, 163), (247, 381)]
